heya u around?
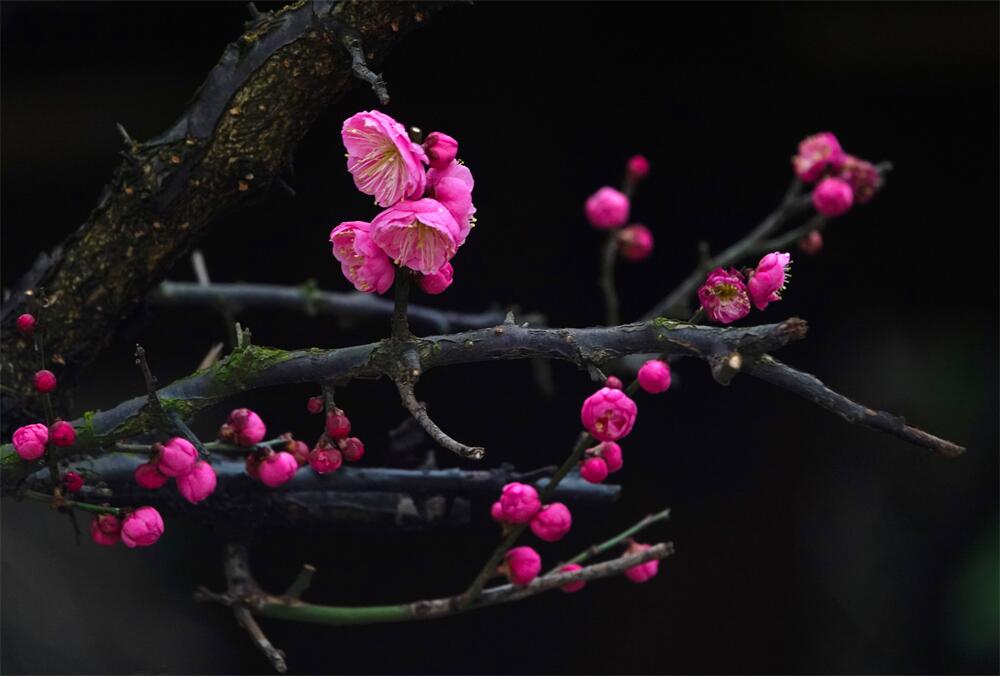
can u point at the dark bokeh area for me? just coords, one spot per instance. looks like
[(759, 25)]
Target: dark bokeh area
[(804, 544)]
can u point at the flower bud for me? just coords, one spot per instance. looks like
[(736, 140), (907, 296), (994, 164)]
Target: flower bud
[(635, 242), (277, 468), (337, 424), (197, 484), (148, 476), (812, 243), (862, 176), (594, 470), (26, 325), (519, 502), (613, 382), (315, 405), (45, 381), (352, 448), (496, 513), (142, 528), (654, 376), (552, 522), (62, 434), (299, 451), (769, 279), (522, 565), (816, 154), (608, 414), (607, 208), (325, 460), (611, 454), (105, 529), (644, 571), (636, 169), (244, 428), (441, 149), (572, 586), (176, 457), (72, 481), (833, 197), (437, 282), (29, 441)]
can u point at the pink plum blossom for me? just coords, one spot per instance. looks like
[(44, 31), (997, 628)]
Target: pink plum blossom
[(552, 522), (325, 459), (636, 242), (72, 481), (611, 454), (608, 414), (654, 376), (244, 428), (26, 325), (338, 425), (441, 149), (769, 278), (277, 468), (833, 197), (197, 484), (862, 176), (105, 530), (607, 208), (644, 571), (148, 476), (421, 234), (724, 297), (816, 154), (62, 434), (637, 168), (45, 381), (594, 470), (452, 187), (437, 282), (519, 502), (142, 528), (384, 161), (352, 448), (177, 457), (572, 586), (812, 243), (362, 262), (29, 441), (522, 565)]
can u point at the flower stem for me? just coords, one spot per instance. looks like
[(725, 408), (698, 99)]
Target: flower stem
[(400, 325), (73, 504), (612, 315)]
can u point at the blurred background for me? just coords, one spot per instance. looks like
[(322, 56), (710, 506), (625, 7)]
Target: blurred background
[(804, 544)]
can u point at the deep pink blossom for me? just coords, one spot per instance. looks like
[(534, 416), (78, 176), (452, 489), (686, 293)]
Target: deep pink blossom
[(315, 405), (572, 586), (105, 529), (45, 381), (519, 502), (421, 234), (817, 153), (148, 476), (437, 282), (594, 470), (552, 522), (384, 161), (244, 428), (325, 459), (611, 454), (636, 242), (452, 187), (833, 197), (441, 149), (637, 168), (608, 414), (654, 376), (607, 208), (352, 448), (177, 457), (644, 571), (724, 297), (496, 512), (197, 484), (338, 425), (812, 243), (769, 278), (277, 468), (364, 264), (142, 528), (26, 325), (62, 434), (29, 441), (522, 565), (72, 481), (862, 176), (299, 450)]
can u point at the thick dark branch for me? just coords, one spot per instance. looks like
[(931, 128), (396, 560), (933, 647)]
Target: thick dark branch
[(306, 299), (235, 139)]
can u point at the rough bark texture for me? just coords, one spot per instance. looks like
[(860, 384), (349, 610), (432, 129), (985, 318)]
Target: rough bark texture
[(233, 141)]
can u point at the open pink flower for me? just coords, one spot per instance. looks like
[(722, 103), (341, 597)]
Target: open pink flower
[(197, 484), (142, 528), (29, 441), (768, 280), (724, 296), (607, 208), (608, 414), (522, 565), (452, 187), (421, 234), (552, 522), (105, 529), (362, 262), (384, 161), (816, 154)]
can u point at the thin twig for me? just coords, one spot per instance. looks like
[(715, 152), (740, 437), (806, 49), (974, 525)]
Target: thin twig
[(607, 282), (419, 413), (350, 39), (597, 550), (401, 290), (301, 583)]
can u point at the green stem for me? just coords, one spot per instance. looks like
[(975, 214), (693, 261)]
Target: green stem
[(597, 550), (73, 504), (212, 446), (610, 255)]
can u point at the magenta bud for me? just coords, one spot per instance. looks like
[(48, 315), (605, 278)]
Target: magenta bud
[(654, 376), (105, 530), (315, 405), (177, 457), (611, 454), (26, 325), (352, 448), (277, 468), (637, 168), (45, 381), (72, 481), (337, 424), (437, 282), (594, 470), (644, 571), (29, 441), (572, 586), (325, 460), (299, 450), (607, 208), (522, 565), (197, 484), (62, 434), (142, 528), (833, 197), (244, 428), (552, 522), (636, 242), (441, 149), (519, 502), (148, 476)]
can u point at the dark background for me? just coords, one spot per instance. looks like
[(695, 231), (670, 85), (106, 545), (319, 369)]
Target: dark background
[(804, 544)]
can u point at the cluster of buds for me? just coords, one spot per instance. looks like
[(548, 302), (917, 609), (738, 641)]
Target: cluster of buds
[(178, 459), (726, 296), (141, 527), (608, 209), (519, 504), (31, 441), (426, 194), (334, 445), (842, 180)]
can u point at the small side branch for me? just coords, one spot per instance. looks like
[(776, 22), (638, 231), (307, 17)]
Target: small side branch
[(350, 39), (597, 550), (609, 255), (419, 413)]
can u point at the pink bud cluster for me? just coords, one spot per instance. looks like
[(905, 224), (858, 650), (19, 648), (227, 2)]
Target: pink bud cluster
[(427, 214), (841, 179), (726, 296), (519, 504), (141, 527), (178, 459), (31, 441), (608, 209)]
